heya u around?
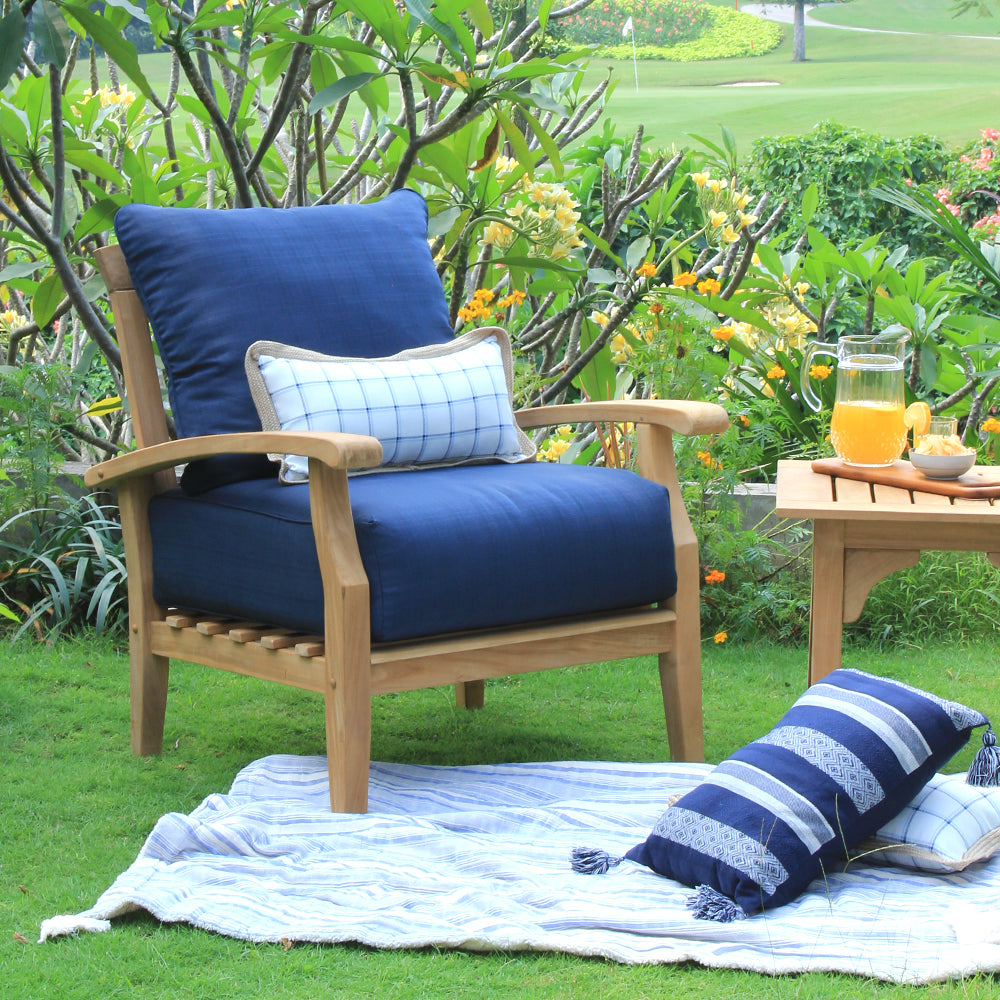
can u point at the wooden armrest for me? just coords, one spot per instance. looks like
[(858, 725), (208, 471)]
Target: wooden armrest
[(682, 416), (339, 451)]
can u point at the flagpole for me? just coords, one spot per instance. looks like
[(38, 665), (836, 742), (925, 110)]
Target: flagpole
[(635, 63), (628, 28)]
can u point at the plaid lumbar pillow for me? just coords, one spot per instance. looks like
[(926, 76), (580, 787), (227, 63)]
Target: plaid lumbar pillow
[(946, 827), (448, 404), (845, 758)]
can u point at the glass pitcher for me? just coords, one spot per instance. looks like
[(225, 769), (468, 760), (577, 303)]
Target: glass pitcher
[(867, 425)]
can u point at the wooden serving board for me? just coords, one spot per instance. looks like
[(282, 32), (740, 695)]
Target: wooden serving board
[(979, 483)]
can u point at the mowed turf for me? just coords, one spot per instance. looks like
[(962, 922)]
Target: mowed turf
[(895, 85)]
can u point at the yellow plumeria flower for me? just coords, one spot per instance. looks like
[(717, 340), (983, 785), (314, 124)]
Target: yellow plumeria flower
[(746, 220), (700, 178), (729, 235), (717, 219), (600, 318)]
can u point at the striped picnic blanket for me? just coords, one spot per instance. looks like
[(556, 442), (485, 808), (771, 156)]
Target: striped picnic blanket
[(478, 858)]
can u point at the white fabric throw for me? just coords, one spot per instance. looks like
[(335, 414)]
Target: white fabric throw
[(478, 858)]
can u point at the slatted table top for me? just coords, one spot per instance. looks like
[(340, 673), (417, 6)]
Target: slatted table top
[(803, 493)]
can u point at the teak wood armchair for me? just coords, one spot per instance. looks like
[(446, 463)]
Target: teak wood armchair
[(341, 660)]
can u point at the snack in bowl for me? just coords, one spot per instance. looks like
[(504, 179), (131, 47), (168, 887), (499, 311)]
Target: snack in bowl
[(942, 464)]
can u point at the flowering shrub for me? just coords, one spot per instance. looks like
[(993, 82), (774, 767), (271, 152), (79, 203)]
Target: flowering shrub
[(653, 22), (731, 34)]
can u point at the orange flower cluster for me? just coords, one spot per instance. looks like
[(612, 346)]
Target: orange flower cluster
[(685, 279), (991, 425), (646, 270), (715, 576), (479, 306), (776, 372)]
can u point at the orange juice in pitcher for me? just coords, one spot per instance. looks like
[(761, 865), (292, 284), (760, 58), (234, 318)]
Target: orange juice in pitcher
[(868, 433), (867, 427)]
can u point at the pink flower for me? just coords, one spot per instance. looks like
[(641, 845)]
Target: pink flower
[(964, 159), (908, 181), (954, 209), (990, 133), (943, 194)]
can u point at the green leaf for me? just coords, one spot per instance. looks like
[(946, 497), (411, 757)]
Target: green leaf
[(119, 49), (543, 13), (97, 219), (521, 152), (50, 31), (601, 276), (636, 253), (445, 32), (810, 202), (598, 379), (46, 299), (547, 143), (137, 12), (87, 159), (339, 90), (22, 269), (479, 14), (12, 31)]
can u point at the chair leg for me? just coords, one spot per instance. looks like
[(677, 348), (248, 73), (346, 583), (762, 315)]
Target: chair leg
[(148, 676), (348, 752), (470, 694), (680, 679)]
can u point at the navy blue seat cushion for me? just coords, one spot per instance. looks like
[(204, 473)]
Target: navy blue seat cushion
[(444, 549), (355, 280)]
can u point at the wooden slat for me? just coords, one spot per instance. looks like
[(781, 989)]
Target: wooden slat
[(251, 660), (851, 491), (930, 500), (311, 647), (892, 496), (181, 620), (801, 489), (285, 640), (215, 626), (254, 633)]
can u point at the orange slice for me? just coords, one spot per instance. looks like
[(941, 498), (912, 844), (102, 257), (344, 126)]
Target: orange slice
[(917, 416)]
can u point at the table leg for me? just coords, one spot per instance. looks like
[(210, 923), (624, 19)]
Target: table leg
[(826, 617)]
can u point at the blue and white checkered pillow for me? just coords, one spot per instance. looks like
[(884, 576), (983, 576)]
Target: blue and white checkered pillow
[(946, 827), (443, 405), (844, 759)]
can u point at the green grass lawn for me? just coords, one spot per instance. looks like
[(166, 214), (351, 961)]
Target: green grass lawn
[(933, 16), (75, 807), (895, 85)]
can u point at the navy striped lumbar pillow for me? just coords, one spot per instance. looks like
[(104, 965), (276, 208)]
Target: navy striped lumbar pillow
[(845, 758)]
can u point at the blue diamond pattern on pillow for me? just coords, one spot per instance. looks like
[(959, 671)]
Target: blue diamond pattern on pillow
[(845, 758)]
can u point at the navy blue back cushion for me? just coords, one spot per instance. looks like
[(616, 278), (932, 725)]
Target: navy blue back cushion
[(444, 549), (355, 280)]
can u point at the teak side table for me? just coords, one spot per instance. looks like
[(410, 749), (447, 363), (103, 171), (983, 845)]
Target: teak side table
[(862, 532)]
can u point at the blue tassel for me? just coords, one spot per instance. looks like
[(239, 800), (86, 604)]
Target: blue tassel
[(587, 861), (710, 904), (985, 769)]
